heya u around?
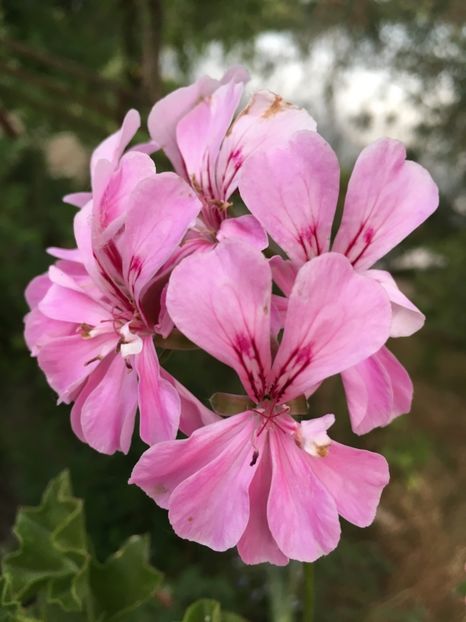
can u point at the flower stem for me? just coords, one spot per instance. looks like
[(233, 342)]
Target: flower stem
[(308, 592)]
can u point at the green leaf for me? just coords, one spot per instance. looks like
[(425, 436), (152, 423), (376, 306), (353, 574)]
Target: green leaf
[(52, 576), (206, 610), (125, 581), (52, 551)]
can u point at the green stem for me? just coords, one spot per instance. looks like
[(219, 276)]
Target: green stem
[(308, 596)]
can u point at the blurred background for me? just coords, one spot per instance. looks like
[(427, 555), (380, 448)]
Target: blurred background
[(69, 69)]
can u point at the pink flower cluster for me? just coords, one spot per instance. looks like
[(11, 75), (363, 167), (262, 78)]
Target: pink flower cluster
[(159, 253)]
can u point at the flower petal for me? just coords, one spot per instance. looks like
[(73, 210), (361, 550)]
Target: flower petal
[(293, 191), (159, 403), (166, 113), (406, 317), (108, 414), (39, 330), (284, 273), (36, 289), (302, 515), (257, 544), (246, 228), (194, 414), (163, 467), (212, 506), (388, 197), (220, 300), (336, 318), (68, 305), (355, 479), (112, 148), (77, 199), (266, 122), (162, 209), (377, 390), (68, 361), (200, 134)]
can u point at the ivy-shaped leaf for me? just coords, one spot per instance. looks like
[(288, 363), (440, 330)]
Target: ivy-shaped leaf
[(52, 551), (207, 610), (52, 576), (125, 581)]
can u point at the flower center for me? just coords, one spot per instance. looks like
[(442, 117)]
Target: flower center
[(275, 415)]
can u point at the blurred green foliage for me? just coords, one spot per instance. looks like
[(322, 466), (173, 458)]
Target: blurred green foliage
[(76, 66), (53, 575)]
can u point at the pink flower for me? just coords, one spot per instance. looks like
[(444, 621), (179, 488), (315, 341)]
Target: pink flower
[(260, 480), (195, 127), (293, 191), (114, 172), (94, 315)]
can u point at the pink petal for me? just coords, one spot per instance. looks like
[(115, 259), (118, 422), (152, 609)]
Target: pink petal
[(388, 197), (108, 414), (159, 404), (68, 361), (246, 228), (36, 289), (162, 208), (68, 254), (78, 199), (90, 384), (302, 515), (39, 330), (163, 467), (257, 544), (336, 318), (148, 147), (212, 506), (293, 191), (284, 273), (221, 301), (113, 203), (278, 313), (194, 414), (406, 317), (200, 133), (355, 479), (67, 305), (165, 115), (377, 390), (266, 122), (112, 148)]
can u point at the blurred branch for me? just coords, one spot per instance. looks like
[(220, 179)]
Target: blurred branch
[(55, 88), (52, 110), (151, 20), (70, 67), (7, 125)]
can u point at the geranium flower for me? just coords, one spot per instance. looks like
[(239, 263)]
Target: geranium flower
[(259, 479), (195, 126), (293, 191), (94, 315)]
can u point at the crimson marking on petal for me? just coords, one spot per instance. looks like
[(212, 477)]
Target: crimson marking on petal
[(301, 356), (246, 348), (308, 241), (368, 237), (135, 266)]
